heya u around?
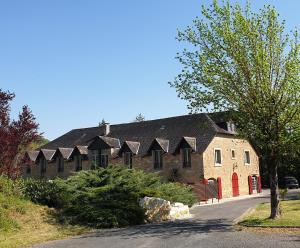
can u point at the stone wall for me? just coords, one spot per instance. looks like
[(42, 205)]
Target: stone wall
[(202, 166), (229, 165), (170, 162)]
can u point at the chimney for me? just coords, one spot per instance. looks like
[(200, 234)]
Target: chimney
[(106, 128)]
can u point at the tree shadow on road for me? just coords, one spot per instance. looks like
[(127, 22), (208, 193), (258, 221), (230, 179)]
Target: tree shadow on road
[(184, 228)]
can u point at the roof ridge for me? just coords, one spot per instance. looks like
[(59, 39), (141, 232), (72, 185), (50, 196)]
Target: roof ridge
[(139, 122)]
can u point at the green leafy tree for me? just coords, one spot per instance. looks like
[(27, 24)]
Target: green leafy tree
[(139, 118), (245, 63)]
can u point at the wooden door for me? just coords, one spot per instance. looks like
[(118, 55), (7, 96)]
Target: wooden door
[(235, 185)]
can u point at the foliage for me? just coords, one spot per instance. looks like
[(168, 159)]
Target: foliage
[(283, 193), (23, 223), (38, 143), (245, 63), (42, 192), (15, 135), (102, 123), (9, 187), (139, 118), (109, 197)]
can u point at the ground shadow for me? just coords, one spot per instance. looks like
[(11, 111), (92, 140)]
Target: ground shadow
[(166, 229)]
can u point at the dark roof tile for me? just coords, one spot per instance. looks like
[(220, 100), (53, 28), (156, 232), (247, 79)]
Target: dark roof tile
[(200, 126)]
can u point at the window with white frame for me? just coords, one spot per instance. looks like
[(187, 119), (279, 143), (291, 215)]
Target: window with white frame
[(157, 159), (218, 157), (247, 157), (233, 154), (186, 157)]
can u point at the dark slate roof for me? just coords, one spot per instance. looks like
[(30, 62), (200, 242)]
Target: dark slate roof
[(199, 126), (65, 152), (33, 155)]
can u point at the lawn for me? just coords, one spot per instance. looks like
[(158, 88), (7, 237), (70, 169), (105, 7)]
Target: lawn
[(23, 223), (290, 215)]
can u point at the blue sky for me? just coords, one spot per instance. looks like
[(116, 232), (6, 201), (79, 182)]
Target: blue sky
[(75, 62)]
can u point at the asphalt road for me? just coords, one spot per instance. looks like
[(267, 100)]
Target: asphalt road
[(211, 226)]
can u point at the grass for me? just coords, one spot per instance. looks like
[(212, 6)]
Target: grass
[(290, 215), (23, 223)]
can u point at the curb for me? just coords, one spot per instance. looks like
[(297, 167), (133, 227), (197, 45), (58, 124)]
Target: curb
[(247, 212), (273, 227)]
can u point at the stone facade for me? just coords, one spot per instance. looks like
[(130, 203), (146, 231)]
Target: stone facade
[(202, 165), (230, 165)]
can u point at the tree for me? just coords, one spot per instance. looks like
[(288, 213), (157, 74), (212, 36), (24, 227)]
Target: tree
[(41, 141), (15, 135), (102, 123), (245, 63), (139, 118)]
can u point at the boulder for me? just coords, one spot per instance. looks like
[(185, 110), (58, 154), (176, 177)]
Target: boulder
[(158, 209)]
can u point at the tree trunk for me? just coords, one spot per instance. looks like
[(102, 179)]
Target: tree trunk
[(272, 165)]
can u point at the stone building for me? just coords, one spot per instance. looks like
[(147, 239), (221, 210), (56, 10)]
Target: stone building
[(193, 149)]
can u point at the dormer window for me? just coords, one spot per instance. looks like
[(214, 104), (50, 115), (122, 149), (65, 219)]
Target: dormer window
[(28, 169), (186, 157), (103, 159), (157, 159), (60, 164), (43, 166), (78, 162), (128, 159), (230, 126)]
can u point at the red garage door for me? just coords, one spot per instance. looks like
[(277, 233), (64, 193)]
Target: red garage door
[(235, 185)]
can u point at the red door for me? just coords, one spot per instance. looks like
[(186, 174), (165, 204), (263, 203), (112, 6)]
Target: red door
[(235, 185)]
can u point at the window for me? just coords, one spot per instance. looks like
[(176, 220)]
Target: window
[(78, 163), (60, 163), (157, 159), (128, 159), (43, 166), (103, 160), (186, 157), (28, 169), (247, 157), (233, 154), (95, 159), (218, 157)]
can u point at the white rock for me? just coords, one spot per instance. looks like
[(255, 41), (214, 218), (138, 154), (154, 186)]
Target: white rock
[(158, 209)]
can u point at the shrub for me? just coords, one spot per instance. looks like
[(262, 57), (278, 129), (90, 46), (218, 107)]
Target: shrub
[(109, 197), (176, 192), (10, 187), (42, 192), (283, 193)]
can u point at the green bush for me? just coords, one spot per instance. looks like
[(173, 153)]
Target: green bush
[(10, 187), (42, 192), (282, 193), (109, 197)]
